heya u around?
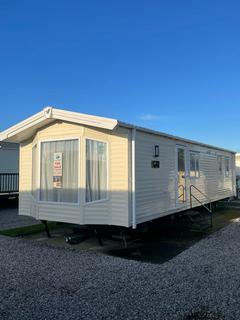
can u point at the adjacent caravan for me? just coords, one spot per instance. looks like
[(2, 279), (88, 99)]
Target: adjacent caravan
[(85, 169), (9, 159)]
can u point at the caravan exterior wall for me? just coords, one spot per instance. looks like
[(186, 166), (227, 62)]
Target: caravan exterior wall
[(157, 189), (165, 190)]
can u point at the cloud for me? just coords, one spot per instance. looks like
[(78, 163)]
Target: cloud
[(149, 117)]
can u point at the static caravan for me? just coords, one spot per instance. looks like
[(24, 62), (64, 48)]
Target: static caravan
[(9, 159), (84, 169)]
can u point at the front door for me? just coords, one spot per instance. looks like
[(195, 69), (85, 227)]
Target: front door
[(181, 175)]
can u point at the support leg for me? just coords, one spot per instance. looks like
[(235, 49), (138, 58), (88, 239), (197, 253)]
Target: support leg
[(44, 222), (98, 237), (124, 239)]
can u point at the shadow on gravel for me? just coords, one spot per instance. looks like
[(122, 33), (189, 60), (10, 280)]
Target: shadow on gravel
[(8, 202), (166, 238), (160, 241)]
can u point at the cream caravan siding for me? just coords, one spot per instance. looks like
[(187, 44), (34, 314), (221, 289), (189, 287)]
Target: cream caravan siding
[(25, 169), (156, 188), (112, 211)]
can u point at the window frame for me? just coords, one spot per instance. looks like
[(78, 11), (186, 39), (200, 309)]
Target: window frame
[(220, 172), (195, 164), (75, 204), (227, 172), (85, 172)]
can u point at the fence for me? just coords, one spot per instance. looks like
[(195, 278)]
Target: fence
[(9, 182)]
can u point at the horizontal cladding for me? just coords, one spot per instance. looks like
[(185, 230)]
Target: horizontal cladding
[(156, 213), (60, 129), (63, 213), (98, 212), (25, 203), (119, 168), (156, 188), (211, 183), (25, 169)]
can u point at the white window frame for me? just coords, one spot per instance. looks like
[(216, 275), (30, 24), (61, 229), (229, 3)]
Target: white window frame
[(227, 172), (35, 144), (195, 153), (75, 204), (85, 173)]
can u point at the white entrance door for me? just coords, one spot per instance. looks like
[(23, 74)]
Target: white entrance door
[(181, 173)]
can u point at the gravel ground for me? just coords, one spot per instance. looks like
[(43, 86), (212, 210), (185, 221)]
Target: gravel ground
[(43, 282), (9, 219)]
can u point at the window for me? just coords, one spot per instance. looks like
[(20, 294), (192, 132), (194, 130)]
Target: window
[(194, 164), (34, 171), (227, 166), (219, 162), (59, 171), (96, 170)]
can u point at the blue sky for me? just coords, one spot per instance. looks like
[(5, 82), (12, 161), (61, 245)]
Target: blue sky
[(169, 65)]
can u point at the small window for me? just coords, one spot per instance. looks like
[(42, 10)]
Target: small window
[(96, 170), (194, 164), (219, 162), (227, 166)]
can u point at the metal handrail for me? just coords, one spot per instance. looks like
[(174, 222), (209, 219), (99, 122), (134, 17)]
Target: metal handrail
[(183, 191), (199, 201)]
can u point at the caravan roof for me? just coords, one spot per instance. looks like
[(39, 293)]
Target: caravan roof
[(27, 128)]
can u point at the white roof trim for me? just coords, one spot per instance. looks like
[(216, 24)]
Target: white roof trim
[(23, 125), (176, 138), (89, 120), (49, 114)]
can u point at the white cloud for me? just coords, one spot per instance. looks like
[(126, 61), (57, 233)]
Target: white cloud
[(149, 117)]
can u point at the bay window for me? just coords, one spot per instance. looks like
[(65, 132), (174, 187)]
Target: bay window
[(96, 170), (59, 171)]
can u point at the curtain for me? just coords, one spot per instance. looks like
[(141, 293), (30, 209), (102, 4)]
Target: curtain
[(96, 170), (68, 192)]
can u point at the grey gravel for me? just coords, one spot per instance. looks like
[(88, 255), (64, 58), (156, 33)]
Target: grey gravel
[(43, 282), (9, 219)]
